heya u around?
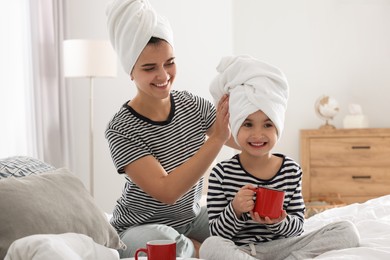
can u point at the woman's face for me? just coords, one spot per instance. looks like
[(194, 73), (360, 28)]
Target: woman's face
[(257, 134), (155, 70)]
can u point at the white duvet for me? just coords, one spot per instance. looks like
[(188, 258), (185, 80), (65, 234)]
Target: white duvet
[(68, 246), (371, 218)]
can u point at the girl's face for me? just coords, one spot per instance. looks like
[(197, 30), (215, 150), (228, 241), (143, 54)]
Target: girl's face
[(257, 134), (155, 70)]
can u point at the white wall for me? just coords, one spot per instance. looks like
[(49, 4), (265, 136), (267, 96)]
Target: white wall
[(334, 47), (203, 33)]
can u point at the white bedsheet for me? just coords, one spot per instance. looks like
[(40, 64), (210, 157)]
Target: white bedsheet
[(372, 220), (67, 246)]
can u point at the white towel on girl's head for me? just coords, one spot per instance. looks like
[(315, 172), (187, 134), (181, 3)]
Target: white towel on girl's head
[(252, 85), (131, 24)]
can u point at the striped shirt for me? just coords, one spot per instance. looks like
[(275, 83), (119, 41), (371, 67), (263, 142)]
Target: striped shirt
[(172, 142), (228, 177)]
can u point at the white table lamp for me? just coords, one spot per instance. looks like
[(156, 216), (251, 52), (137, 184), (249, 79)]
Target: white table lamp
[(89, 59)]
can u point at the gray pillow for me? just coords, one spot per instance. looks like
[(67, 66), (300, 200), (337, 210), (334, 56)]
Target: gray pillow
[(21, 166), (55, 202)]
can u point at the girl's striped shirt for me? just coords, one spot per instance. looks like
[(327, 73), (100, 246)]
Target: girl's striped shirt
[(228, 177)]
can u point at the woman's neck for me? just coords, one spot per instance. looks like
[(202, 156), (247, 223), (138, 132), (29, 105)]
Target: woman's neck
[(157, 110)]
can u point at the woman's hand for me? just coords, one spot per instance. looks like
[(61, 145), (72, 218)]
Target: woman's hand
[(266, 220), (243, 200), (220, 128)]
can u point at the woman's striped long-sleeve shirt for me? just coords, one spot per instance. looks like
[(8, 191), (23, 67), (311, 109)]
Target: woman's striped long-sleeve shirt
[(228, 177)]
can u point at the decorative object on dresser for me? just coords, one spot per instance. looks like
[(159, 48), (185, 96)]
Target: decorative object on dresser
[(351, 165), (355, 118), (326, 108)]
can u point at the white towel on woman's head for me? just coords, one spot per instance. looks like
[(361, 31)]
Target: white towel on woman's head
[(131, 24), (252, 85)]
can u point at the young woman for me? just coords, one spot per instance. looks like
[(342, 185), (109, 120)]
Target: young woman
[(158, 137), (258, 96)]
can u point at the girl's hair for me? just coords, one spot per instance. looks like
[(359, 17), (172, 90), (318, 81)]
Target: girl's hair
[(155, 40)]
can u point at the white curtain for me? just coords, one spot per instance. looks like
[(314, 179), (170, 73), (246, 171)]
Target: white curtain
[(14, 103), (45, 115)]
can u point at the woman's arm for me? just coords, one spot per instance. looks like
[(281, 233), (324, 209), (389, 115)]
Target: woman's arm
[(168, 188)]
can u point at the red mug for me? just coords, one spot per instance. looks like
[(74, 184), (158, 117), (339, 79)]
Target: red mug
[(159, 250), (269, 202)]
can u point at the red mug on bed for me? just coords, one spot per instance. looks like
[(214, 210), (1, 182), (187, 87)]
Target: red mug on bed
[(269, 202), (159, 250)]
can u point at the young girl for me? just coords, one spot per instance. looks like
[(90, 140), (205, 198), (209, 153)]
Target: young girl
[(258, 100), (158, 137)]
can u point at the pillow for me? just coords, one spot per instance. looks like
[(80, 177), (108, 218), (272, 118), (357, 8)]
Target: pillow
[(55, 202), (21, 166)]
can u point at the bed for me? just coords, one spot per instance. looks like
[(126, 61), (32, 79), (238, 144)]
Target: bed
[(47, 213), (372, 220)]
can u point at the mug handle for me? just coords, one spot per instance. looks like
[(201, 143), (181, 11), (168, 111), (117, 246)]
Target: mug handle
[(140, 250)]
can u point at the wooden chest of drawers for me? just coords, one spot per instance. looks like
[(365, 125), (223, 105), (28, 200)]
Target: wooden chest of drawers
[(351, 163)]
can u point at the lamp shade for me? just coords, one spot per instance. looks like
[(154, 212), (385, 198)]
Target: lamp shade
[(89, 58)]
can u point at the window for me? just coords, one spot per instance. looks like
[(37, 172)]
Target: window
[(15, 82)]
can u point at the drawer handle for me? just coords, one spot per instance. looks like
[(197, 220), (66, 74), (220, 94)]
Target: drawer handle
[(361, 147), (361, 177)]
